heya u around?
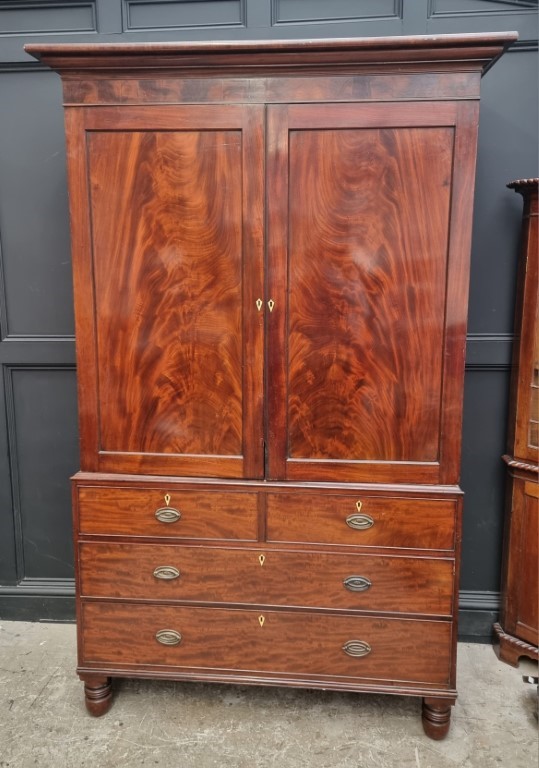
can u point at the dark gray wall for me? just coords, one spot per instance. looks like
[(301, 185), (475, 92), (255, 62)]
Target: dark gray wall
[(38, 430)]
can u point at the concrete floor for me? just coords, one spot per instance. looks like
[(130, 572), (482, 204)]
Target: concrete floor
[(43, 721)]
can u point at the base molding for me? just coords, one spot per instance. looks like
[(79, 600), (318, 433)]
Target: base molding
[(38, 600), (478, 610)]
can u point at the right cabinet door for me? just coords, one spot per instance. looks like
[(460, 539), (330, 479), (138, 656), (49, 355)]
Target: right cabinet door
[(369, 214)]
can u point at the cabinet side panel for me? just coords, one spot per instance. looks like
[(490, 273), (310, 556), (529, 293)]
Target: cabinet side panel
[(527, 619)]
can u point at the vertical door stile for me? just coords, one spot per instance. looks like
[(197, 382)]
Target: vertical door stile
[(277, 290), (253, 290)]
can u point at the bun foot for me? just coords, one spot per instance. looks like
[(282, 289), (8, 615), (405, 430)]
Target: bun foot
[(97, 695), (436, 717)]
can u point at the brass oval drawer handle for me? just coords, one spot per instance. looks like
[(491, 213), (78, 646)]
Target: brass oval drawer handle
[(168, 515), (357, 648), (359, 522), (357, 583), (168, 637), (166, 572)]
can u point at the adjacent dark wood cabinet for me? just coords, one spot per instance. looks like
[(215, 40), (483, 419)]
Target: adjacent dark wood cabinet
[(518, 630), (271, 249)]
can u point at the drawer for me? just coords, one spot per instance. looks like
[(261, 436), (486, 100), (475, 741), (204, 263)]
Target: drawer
[(270, 577), (160, 512), (254, 641), (370, 521)]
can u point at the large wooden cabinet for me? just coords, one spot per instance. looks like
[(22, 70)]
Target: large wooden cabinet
[(517, 632), (270, 247)]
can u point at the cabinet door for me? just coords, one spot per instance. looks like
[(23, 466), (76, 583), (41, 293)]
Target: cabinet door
[(167, 225), (369, 233)]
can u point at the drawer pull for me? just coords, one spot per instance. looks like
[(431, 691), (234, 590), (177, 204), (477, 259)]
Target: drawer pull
[(357, 648), (168, 637), (357, 583), (168, 515), (359, 522), (166, 572)]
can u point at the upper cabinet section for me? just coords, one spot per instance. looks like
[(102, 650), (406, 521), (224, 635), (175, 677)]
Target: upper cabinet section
[(271, 254)]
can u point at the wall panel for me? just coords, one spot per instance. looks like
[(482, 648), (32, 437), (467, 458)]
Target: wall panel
[(38, 432), (147, 15), (33, 208)]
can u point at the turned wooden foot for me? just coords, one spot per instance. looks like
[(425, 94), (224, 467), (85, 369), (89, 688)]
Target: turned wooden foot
[(97, 695), (436, 717)]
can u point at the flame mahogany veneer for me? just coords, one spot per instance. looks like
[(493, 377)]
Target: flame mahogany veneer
[(271, 248)]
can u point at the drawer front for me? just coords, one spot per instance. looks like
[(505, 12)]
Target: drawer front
[(285, 642), (370, 521), (179, 514), (267, 577)]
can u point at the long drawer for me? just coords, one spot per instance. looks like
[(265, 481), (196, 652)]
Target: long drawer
[(270, 577), (359, 520), (285, 642), (181, 514)]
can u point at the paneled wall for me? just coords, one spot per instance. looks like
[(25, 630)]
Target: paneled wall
[(38, 428)]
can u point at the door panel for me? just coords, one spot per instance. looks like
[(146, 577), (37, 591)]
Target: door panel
[(175, 318), (359, 235)]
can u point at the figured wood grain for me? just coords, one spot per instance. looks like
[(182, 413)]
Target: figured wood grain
[(204, 514), (219, 639), (167, 264), (367, 247), (367, 273), (267, 90), (332, 318), (316, 580), (398, 522)]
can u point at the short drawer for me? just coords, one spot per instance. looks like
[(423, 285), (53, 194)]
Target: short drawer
[(261, 641), (371, 521), (269, 577), (180, 514)]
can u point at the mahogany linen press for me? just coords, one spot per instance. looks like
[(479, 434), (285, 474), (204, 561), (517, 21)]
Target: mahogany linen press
[(271, 246)]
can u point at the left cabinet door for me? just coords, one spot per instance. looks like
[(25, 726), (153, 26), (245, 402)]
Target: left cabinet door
[(167, 238)]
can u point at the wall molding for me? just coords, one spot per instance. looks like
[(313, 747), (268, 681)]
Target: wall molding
[(520, 7), (14, 338), (277, 21), (523, 46), (27, 8), (478, 611), (478, 600), (28, 587), (12, 446), (128, 26), (3, 297), (489, 351), (14, 481)]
